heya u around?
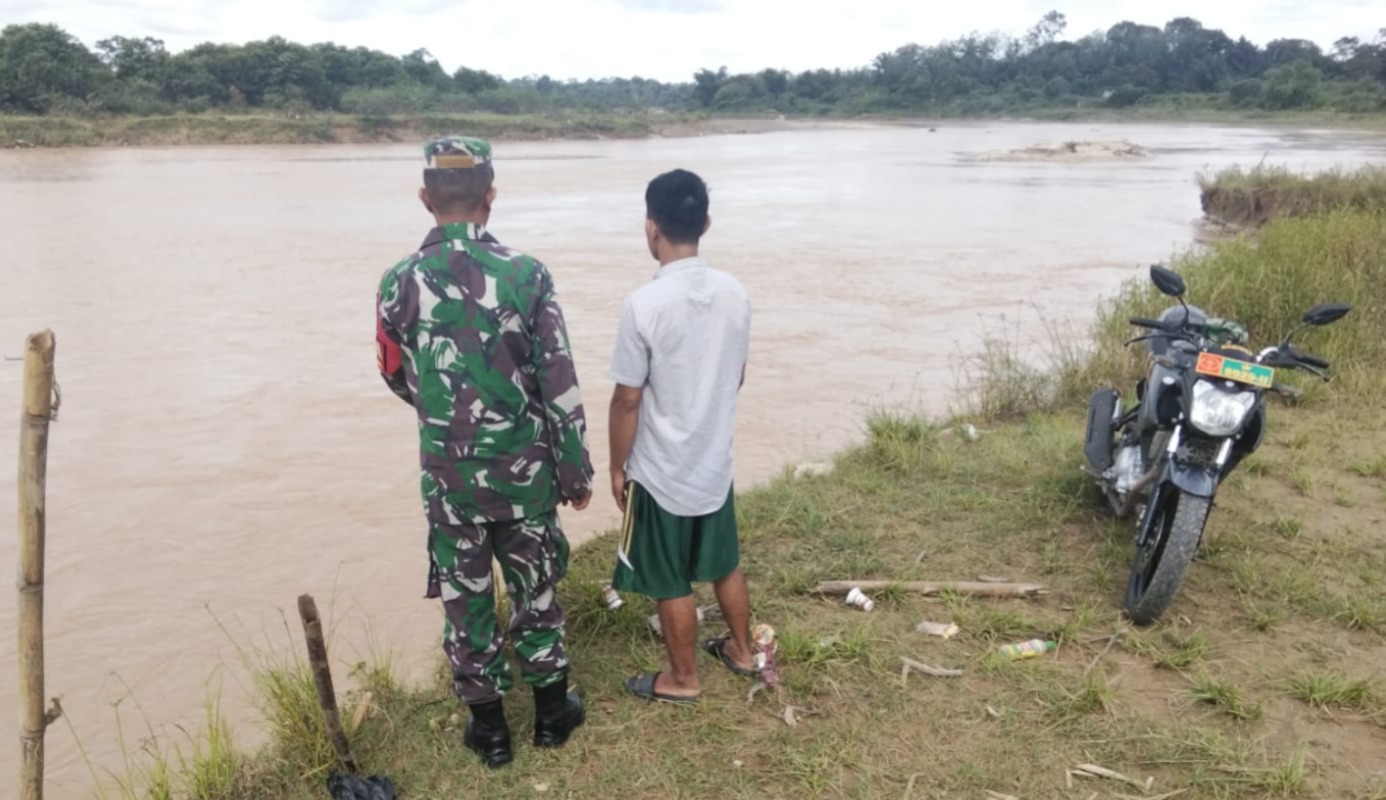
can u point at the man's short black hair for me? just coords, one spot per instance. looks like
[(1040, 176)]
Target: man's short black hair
[(677, 202), (458, 191)]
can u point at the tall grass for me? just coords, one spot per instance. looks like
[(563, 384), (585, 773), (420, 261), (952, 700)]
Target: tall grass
[(1256, 196), (1266, 283)]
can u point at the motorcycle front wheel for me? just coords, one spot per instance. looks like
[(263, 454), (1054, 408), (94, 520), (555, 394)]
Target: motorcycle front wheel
[(1158, 567)]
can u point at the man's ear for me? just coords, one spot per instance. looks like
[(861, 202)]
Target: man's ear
[(491, 196), (423, 198), (707, 225)]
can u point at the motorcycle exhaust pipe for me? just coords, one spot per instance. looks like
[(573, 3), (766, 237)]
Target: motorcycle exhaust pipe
[(1133, 496)]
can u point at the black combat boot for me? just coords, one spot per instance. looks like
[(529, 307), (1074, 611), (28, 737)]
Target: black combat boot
[(487, 735), (557, 713)]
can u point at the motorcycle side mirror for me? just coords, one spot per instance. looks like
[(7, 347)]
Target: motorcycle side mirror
[(1326, 313), (1167, 281)]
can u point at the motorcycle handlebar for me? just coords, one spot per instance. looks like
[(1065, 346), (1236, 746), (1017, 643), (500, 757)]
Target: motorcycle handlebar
[(1143, 322)]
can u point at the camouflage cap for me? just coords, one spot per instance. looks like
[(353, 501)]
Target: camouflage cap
[(457, 152)]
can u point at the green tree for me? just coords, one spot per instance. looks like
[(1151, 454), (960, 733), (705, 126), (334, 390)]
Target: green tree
[(43, 64), (707, 84), (134, 59), (1297, 85), (425, 70), (475, 81)]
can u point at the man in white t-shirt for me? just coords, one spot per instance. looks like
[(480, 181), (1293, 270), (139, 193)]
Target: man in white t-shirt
[(679, 362)]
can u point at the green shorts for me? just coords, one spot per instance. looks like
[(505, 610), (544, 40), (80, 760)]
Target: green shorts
[(662, 554)]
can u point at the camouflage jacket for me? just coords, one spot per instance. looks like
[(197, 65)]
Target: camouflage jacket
[(470, 334)]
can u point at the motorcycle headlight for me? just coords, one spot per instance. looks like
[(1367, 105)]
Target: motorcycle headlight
[(1219, 413)]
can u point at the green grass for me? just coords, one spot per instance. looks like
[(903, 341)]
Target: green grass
[(1373, 467), (1266, 283), (1327, 689), (1225, 696)]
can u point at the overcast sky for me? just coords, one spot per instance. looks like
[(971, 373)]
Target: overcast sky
[(664, 39)]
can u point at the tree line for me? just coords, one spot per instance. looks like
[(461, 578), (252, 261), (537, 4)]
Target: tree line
[(45, 70)]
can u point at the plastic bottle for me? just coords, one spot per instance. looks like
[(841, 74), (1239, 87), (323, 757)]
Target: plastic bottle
[(613, 600), (1031, 649)]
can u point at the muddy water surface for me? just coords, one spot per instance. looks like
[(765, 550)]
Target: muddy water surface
[(225, 443)]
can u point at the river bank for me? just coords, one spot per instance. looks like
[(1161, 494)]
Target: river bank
[(310, 129), (1256, 684), (283, 128)]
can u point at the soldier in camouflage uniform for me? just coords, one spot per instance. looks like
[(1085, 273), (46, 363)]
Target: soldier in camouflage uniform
[(470, 334)]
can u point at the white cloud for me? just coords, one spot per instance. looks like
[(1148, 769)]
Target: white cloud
[(665, 39)]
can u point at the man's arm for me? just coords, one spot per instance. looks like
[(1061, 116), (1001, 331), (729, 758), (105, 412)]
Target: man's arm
[(389, 359), (560, 395), (622, 423), (630, 369)]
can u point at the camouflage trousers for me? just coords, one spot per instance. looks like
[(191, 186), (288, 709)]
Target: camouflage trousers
[(533, 555)]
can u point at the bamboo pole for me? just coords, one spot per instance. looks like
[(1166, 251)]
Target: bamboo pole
[(975, 588), (322, 677), (37, 412)]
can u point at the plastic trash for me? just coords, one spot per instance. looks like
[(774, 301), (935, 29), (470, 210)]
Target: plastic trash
[(856, 598), (764, 644), (341, 786), (613, 600), (939, 629), (1031, 649)]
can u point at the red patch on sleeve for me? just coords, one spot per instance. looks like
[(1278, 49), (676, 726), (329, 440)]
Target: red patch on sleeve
[(387, 354)]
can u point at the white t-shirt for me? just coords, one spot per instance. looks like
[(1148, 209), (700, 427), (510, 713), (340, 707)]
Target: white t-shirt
[(683, 339)]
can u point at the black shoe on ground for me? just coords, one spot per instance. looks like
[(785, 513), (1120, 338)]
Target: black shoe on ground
[(557, 713), (488, 735)]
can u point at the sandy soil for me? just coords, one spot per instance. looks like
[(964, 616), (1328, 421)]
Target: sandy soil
[(1069, 152)]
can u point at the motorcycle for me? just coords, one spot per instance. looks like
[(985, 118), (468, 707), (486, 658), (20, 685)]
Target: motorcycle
[(1199, 412)]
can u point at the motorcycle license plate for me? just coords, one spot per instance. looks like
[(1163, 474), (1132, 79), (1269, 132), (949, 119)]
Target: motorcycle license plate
[(1231, 369)]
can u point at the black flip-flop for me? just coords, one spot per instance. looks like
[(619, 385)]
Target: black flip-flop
[(717, 647), (644, 686)]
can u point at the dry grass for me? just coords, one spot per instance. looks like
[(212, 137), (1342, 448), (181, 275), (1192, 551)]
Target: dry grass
[(1254, 197), (283, 128)]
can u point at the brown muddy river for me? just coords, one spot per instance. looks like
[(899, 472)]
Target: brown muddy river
[(225, 443)]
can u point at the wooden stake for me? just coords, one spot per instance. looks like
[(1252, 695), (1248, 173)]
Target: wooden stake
[(977, 588), (33, 478), (322, 676)]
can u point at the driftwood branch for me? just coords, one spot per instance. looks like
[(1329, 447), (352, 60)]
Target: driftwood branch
[(976, 588), (33, 481), (910, 664), (322, 677), (1094, 771)]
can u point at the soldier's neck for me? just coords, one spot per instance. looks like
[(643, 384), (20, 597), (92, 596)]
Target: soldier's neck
[(461, 219)]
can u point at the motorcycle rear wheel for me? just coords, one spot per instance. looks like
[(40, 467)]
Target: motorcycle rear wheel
[(1158, 568)]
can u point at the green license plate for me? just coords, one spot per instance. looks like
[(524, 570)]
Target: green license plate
[(1231, 369)]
